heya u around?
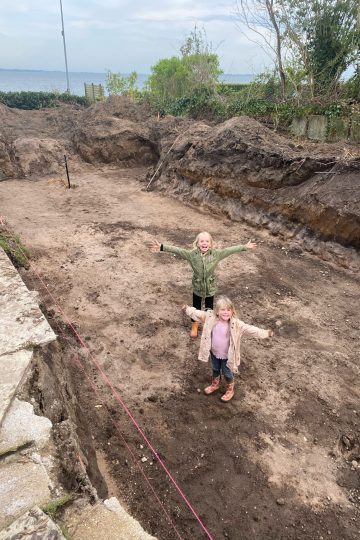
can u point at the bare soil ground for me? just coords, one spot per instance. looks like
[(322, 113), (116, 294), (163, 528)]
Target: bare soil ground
[(278, 462)]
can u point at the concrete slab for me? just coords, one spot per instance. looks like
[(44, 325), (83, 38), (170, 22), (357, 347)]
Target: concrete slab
[(32, 526), (338, 129), (22, 426), (299, 126), (355, 128), (22, 324), (23, 484), (317, 127), (12, 371), (100, 522)]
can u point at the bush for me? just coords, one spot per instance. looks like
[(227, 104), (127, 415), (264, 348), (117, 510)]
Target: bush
[(39, 100), (123, 85)]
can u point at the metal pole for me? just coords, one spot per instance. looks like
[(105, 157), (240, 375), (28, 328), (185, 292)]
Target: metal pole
[(63, 35), (67, 172)]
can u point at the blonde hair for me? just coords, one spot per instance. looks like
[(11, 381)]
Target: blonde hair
[(196, 241), (224, 302)]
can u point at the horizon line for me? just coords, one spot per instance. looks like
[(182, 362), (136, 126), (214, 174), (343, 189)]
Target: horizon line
[(95, 72)]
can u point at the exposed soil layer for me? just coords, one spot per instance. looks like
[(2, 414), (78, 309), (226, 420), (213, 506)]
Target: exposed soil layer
[(248, 171), (239, 167), (278, 462)]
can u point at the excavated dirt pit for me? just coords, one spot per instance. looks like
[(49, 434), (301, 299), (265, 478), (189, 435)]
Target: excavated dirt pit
[(278, 462)]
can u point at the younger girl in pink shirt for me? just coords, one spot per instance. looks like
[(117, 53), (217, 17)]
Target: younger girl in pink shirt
[(220, 340)]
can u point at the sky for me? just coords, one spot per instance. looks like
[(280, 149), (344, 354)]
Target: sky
[(120, 35)]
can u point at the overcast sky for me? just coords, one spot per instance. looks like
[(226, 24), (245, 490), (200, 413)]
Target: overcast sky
[(121, 35)]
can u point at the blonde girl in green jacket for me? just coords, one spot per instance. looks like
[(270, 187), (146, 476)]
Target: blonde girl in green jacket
[(203, 259)]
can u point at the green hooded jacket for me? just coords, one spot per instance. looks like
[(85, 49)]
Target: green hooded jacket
[(203, 265)]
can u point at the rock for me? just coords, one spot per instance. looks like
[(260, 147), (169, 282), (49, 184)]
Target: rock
[(280, 501)]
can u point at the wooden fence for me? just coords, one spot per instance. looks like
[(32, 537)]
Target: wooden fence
[(94, 92)]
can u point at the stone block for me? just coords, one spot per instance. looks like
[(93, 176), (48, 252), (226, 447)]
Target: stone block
[(23, 484), (22, 426), (22, 323), (338, 129), (32, 526), (299, 126), (12, 370), (317, 127)]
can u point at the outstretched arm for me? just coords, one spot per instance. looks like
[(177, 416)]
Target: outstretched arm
[(254, 331), (226, 252), (156, 246), (195, 314)]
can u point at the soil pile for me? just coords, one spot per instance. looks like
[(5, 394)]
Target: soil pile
[(251, 172), (238, 167)]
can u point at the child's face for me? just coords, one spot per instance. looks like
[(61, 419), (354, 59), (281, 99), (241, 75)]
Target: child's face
[(225, 314), (204, 243)]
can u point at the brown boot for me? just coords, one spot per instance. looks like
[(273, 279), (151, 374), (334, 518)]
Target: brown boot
[(194, 329), (229, 394), (215, 385)]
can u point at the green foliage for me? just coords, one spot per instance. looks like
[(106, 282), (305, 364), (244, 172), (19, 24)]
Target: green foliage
[(351, 87), (332, 41), (168, 81), (124, 85), (52, 508), (176, 78), (39, 100), (14, 248), (202, 103), (324, 37), (226, 89)]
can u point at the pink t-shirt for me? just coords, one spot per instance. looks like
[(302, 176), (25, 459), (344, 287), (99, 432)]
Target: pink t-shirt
[(220, 340)]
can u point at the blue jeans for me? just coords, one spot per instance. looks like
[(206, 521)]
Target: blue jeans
[(219, 365)]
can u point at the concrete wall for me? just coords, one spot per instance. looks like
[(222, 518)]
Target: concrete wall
[(322, 128)]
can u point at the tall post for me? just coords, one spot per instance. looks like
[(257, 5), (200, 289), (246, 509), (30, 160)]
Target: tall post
[(63, 35)]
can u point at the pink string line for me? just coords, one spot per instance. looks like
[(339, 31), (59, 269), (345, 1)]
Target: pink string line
[(126, 409), (77, 362)]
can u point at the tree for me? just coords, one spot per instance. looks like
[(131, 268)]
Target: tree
[(325, 36), (202, 64), (124, 85), (168, 80), (318, 39), (196, 69), (263, 18)]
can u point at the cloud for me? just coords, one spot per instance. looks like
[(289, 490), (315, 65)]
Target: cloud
[(120, 34)]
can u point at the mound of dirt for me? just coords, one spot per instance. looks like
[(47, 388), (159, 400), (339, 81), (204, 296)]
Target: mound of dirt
[(42, 156), (113, 140), (238, 167), (248, 171)]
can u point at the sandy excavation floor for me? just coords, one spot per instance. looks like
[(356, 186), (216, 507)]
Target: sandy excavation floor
[(275, 463)]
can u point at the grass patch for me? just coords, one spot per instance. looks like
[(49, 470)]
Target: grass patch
[(14, 248), (52, 508)]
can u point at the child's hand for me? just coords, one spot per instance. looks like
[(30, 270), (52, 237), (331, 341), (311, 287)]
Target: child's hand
[(154, 246), (184, 307), (251, 245), (270, 332)]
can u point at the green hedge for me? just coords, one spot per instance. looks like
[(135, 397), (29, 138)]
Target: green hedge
[(38, 100)]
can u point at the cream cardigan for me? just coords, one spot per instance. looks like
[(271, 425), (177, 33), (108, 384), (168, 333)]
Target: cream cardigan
[(237, 330)]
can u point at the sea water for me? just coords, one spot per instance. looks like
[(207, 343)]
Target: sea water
[(16, 80)]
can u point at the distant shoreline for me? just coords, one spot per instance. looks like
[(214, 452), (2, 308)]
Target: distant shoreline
[(19, 70), (40, 80)]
